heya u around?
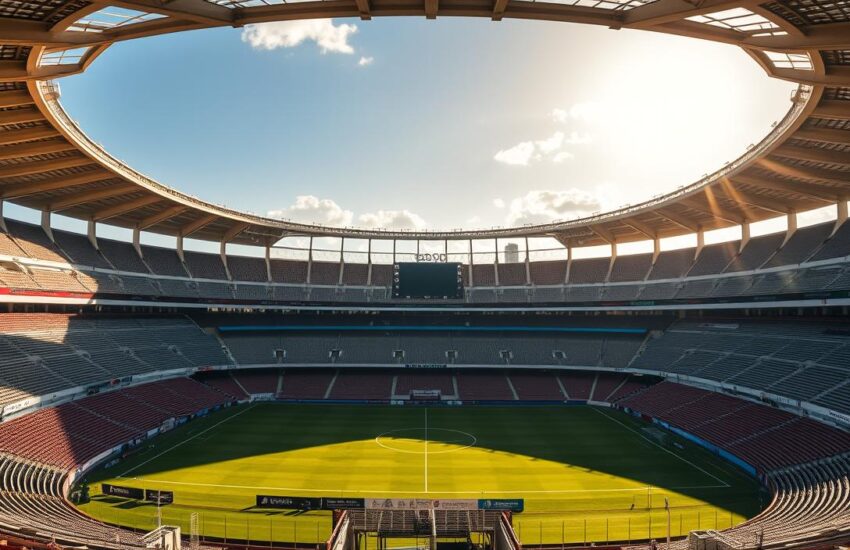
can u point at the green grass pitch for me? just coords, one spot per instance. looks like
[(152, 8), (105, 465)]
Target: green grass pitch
[(586, 473)]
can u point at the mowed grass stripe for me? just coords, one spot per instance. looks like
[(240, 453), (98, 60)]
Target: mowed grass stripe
[(572, 465)]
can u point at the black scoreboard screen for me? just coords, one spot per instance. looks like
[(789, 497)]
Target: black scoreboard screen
[(427, 280)]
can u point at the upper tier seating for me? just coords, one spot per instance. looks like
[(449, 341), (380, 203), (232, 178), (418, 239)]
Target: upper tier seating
[(205, 266), (801, 245), (630, 268), (331, 283), (714, 258), (836, 246), (672, 264), (164, 261), (245, 268), (34, 242), (79, 250), (756, 252), (122, 255), (550, 272), (512, 274), (593, 270)]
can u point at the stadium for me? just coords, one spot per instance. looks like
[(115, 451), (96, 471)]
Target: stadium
[(421, 393)]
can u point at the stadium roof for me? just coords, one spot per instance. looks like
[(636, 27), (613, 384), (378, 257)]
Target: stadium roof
[(48, 163)]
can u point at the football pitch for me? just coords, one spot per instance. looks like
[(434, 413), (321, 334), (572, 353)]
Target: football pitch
[(586, 473)]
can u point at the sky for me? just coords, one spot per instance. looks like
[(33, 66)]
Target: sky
[(410, 123)]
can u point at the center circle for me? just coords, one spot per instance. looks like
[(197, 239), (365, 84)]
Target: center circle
[(421, 441)]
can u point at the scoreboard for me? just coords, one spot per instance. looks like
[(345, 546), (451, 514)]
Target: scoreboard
[(427, 280)]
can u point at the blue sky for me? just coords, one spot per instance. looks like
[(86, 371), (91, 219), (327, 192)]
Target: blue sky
[(406, 122)]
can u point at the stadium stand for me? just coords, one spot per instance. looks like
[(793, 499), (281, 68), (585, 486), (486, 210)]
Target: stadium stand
[(79, 250), (45, 353), (672, 264), (584, 285), (594, 270), (245, 268), (714, 258), (802, 361), (630, 268), (205, 266), (163, 261), (765, 437), (548, 272), (123, 256)]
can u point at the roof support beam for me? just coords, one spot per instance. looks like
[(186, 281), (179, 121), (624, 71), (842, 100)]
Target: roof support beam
[(197, 225), (603, 233), (431, 7), (831, 177), (812, 154), (833, 109), (16, 98), (363, 8), (823, 135), (680, 220), (813, 191), (38, 167), (666, 11), (192, 10), (25, 150), (834, 36), (641, 227), (751, 199), (90, 196), (234, 231), (125, 207), (16, 71), (17, 32), (29, 134), (63, 182), (499, 7), (20, 116), (717, 213), (159, 217), (835, 76)]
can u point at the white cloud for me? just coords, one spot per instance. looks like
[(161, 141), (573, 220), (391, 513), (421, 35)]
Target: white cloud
[(365, 61), (586, 111), (551, 148), (499, 203), (311, 209), (288, 34), (392, 219), (551, 144), (563, 156), (560, 115), (545, 206), (578, 139), (518, 155)]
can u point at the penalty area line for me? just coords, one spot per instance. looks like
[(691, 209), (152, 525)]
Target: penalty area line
[(187, 440), (668, 451)]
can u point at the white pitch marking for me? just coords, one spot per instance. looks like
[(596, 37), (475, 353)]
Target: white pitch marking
[(373, 492), (217, 424), (426, 449), (474, 441), (668, 451)]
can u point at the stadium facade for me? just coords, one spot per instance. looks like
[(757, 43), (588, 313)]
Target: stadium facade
[(742, 346)]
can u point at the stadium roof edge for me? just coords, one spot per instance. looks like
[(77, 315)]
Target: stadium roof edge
[(800, 165)]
